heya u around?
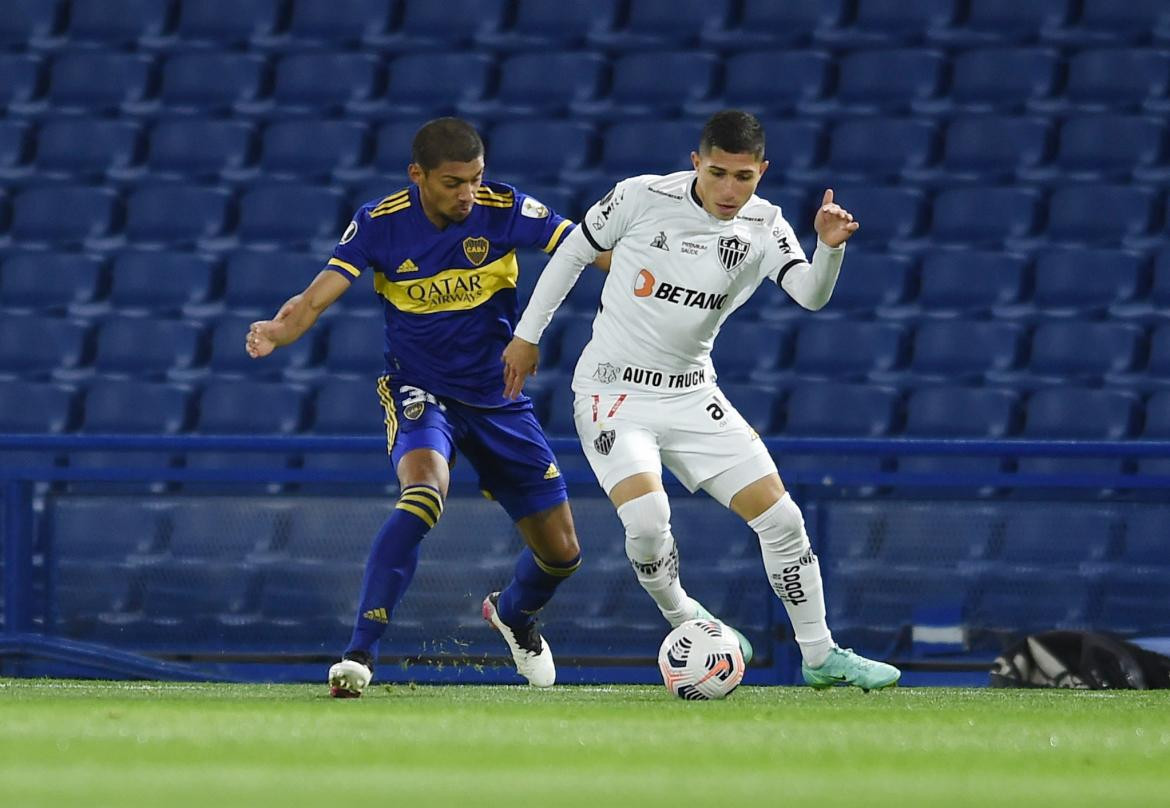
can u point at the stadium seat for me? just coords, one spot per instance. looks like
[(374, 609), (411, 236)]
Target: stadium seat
[(958, 351), (19, 76), (427, 85), (325, 531), (96, 82), (982, 216), (28, 23), (34, 346), (160, 283), (874, 150), (1157, 410), (883, 80), (523, 89), (290, 216), (985, 149), (662, 24), (346, 406), (763, 23), (968, 282), (935, 537), (115, 23), (446, 27), (37, 218), (197, 150), (14, 151), (1114, 80), (1075, 352), (1117, 22), (84, 150), (332, 24), (1001, 80), (355, 346), (1076, 413), (890, 22), (234, 530), (871, 285), (1100, 214), (743, 347), (845, 349), (996, 22), (1038, 600), (338, 146), (317, 602), (830, 409), (792, 147), (751, 82), (1045, 537), (1084, 282), (542, 26), (180, 600), (245, 407), (321, 84), (758, 404), (258, 283), (958, 412), (130, 407), (209, 84), (891, 216), (638, 91), (107, 528), (1144, 543), (176, 215), (636, 147), (1153, 374), (33, 408), (225, 23), (1134, 603), (1105, 148), (538, 150), (145, 348), (48, 282)]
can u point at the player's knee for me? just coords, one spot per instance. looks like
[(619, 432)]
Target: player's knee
[(781, 529), (647, 523), (424, 501)]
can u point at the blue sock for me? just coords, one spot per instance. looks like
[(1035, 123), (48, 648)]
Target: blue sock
[(391, 565), (532, 586)]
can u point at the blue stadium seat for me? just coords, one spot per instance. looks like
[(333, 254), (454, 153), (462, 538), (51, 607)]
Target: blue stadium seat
[(1043, 536), (176, 215), (982, 216), (936, 539), (792, 147), (14, 151), (333, 24), (968, 282), (1115, 22), (392, 143), (871, 608), (1075, 352), (1084, 282), (97, 82), (845, 349), (84, 150), (751, 82), (245, 407), (1003, 80), (958, 412), (318, 601), (209, 84), (145, 348), (986, 149), (763, 23), (890, 22), (659, 24), (1113, 80), (446, 27), (427, 85), (1100, 214), (758, 404), (34, 346), (198, 150), (290, 216), (637, 147), (959, 351), (1106, 148), (743, 347), (1157, 420), (875, 150), (48, 282), (638, 91), (258, 283), (1077, 413), (160, 283), (345, 406), (539, 25), (233, 531), (180, 599), (889, 215), (524, 90), (115, 23), (225, 23), (1153, 374), (130, 407), (538, 150), (229, 359), (318, 532), (996, 22), (1144, 543), (107, 529), (28, 22), (871, 283), (37, 216), (36, 408), (321, 84), (19, 76), (1134, 603), (882, 80), (337, 146), (355, 346), (1038, 600), (830, 409)]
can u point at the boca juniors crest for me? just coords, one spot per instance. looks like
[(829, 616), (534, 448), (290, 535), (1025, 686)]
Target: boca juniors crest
[(604, 442), (476, 249), (732, 251)]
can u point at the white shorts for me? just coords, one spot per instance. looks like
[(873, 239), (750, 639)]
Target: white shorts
[(698, 435)]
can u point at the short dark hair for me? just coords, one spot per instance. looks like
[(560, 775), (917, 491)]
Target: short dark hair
[(443, 140), (734, 131)]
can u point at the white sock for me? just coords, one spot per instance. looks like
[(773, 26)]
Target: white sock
[(795, 576), (654, 555)]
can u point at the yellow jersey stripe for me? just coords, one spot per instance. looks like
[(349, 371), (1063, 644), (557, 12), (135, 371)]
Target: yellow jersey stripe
[(559, 572), (428, 493), (496, 197), (350, 268), (425, 504), (393, 207), (417, 511), (492, 203), (391, 416), (451, 289), (556, 235)]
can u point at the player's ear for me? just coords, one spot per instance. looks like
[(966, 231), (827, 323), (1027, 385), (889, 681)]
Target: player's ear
[(763, 167), (695, 160), (415, 172)]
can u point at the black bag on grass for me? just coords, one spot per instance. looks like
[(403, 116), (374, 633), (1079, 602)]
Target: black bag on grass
[(1080, 660)]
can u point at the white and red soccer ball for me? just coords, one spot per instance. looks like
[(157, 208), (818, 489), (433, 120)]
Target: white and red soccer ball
[(701, 660)]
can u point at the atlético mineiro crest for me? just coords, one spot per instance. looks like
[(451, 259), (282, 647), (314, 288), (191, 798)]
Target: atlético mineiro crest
[(732, 251), (604, 442)]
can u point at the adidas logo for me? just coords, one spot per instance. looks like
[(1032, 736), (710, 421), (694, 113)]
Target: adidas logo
[(407, 266), (377, 615), (553, 472)]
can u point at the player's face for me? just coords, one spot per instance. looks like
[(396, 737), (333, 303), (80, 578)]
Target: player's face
[(725, 181), (448, 190)]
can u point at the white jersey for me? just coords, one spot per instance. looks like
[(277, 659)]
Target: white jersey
[(676, 274)]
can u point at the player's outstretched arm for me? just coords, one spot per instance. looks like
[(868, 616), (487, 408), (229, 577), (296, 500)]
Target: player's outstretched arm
[(296, 316)]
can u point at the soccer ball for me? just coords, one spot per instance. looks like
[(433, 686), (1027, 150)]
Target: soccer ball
[(701, 660)]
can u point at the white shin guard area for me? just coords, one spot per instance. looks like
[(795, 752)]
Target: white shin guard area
[(653, 553)]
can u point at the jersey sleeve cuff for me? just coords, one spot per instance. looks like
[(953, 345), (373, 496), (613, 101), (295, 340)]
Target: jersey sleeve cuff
[(348, 270)]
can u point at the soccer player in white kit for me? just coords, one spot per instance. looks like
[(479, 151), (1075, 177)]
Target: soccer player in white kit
[(688, 249)]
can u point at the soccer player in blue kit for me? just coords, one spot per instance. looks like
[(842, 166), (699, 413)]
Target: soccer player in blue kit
[(443, 253)]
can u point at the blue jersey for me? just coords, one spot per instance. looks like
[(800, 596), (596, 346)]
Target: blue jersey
[(449, 295)]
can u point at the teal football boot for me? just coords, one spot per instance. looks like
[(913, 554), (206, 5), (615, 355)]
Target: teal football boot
[(843, 667)]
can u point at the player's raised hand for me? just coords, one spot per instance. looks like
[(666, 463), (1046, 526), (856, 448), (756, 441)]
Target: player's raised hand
[(834, 224), (520, 360)]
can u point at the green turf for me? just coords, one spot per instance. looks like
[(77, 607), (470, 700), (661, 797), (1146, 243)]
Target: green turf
[(85, 744)]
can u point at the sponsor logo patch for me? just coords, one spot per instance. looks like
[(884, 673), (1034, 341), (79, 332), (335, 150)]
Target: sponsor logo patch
[(349, 233)]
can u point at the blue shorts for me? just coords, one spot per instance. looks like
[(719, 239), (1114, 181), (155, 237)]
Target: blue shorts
[(505, 445)]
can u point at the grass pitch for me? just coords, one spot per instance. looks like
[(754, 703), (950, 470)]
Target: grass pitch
[(92, 744)]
